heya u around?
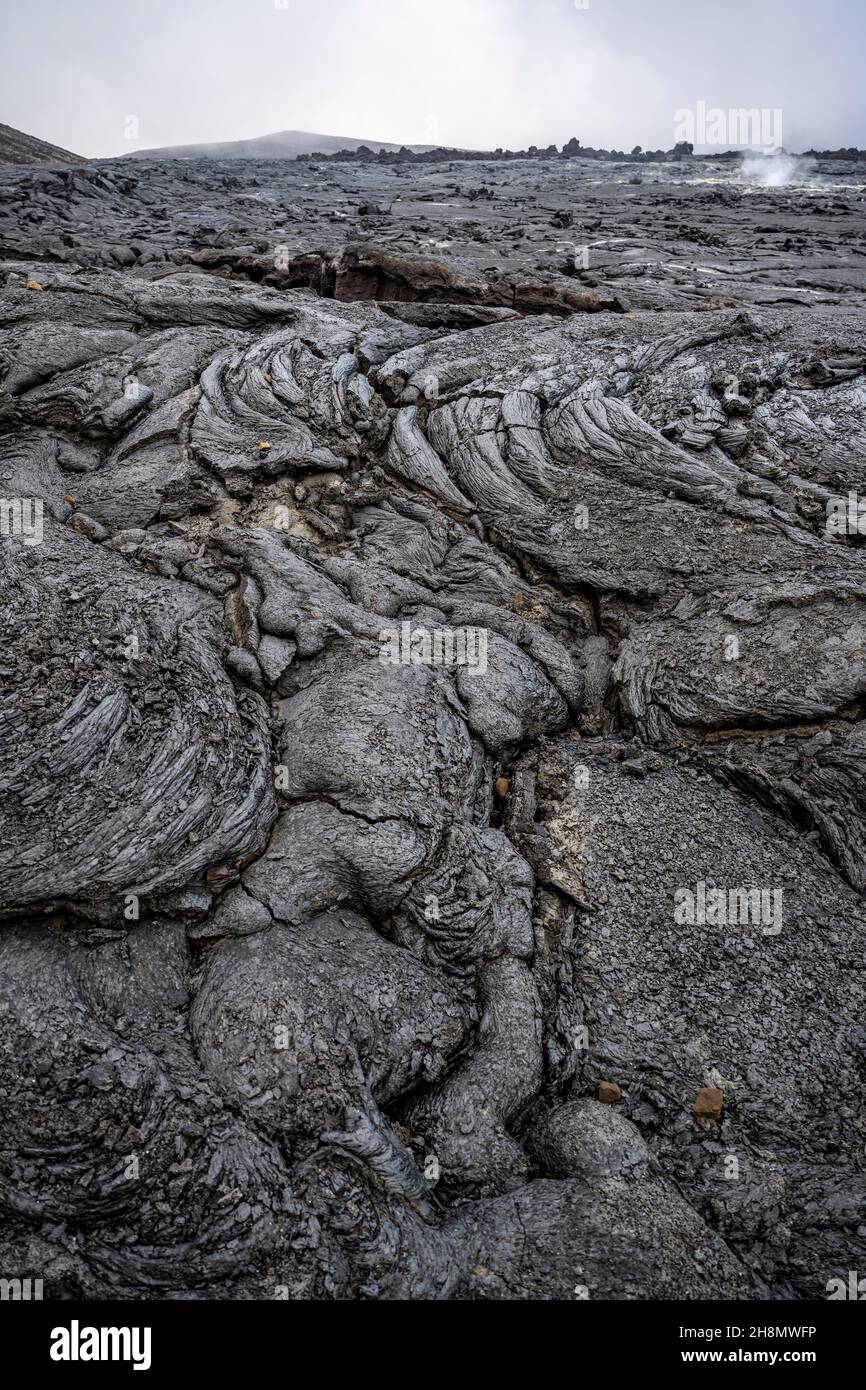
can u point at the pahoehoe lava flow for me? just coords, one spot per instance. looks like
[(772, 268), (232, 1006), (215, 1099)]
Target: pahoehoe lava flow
[(423, 634)]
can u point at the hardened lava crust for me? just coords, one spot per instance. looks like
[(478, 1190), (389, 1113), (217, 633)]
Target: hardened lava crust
[(433, 758)]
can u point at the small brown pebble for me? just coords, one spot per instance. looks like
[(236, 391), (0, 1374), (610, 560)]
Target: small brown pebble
[(609, 1093), (33, 285), (263, 444), (501, 786), (709, 1102)]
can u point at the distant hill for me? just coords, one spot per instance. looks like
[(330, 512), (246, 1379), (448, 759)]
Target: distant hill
[(18, 148), (284, 144)]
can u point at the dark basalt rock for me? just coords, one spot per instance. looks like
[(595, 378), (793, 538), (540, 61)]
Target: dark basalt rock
[(315, 948)]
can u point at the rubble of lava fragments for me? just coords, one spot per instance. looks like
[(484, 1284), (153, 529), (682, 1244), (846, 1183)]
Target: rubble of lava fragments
[(433, 760)]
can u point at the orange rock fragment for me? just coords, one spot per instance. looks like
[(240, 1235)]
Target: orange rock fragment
[(708, 1103)]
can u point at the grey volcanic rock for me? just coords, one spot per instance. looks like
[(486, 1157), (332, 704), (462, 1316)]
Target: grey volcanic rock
[(18, 148), (429, 691), (671, 1005)]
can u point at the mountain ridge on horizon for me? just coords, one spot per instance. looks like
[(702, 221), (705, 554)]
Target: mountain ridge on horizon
[(17, 147), (280, 144)]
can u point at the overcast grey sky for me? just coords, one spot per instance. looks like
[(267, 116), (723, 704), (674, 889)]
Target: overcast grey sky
[(476, 73)]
